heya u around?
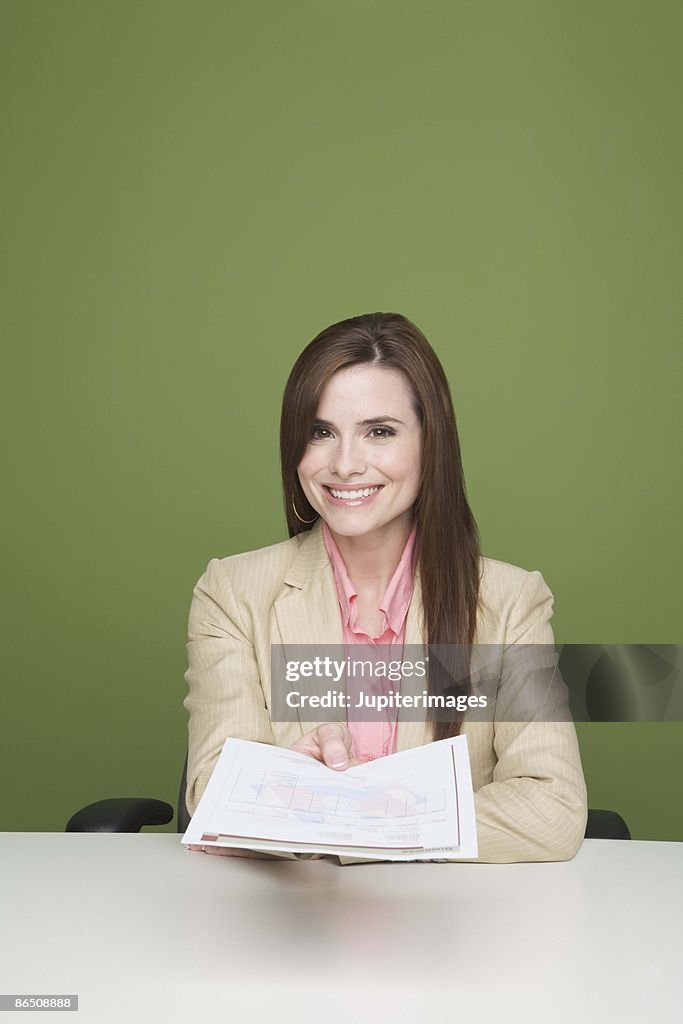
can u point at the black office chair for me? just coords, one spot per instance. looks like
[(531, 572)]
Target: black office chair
[(130, 814), (606, 825)]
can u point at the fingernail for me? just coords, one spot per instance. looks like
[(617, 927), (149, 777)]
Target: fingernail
[(338, 764)]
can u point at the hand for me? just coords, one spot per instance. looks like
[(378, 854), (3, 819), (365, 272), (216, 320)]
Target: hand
[(226, 851), (332, 744)]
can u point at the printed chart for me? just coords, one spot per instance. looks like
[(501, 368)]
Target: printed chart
[(284, 794)]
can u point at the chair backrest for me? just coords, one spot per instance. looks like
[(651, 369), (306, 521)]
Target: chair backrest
[(606, 825)]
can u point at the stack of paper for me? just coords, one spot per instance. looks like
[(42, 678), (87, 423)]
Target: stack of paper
[(415, 805)]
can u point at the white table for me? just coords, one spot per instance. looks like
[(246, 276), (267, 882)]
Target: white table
[(143, 930)]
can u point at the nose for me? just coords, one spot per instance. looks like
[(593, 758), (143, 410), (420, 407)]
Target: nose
[(347, 458)]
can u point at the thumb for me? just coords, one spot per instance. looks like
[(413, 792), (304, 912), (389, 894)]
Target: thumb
[(335, 743)]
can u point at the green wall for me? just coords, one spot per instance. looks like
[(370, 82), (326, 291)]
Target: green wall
[(192, 190)]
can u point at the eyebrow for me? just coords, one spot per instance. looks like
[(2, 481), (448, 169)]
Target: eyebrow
[(363, 423)]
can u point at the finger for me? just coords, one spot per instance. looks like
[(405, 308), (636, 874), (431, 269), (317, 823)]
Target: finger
[(335, 742), (224, 851)]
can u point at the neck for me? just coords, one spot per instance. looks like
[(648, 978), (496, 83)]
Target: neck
[(371, 559)]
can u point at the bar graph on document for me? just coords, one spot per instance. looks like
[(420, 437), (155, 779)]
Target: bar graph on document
[(283, 794)]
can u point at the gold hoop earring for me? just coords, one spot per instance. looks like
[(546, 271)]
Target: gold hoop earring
[(306, 522)]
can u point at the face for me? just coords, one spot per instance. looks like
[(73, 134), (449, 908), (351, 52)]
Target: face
[(361, 469)]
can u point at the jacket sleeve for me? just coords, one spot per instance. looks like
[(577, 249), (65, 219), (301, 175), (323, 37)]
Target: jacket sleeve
[(225, 698), (535, 807)]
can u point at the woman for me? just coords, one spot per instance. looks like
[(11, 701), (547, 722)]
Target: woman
[(383, 549)]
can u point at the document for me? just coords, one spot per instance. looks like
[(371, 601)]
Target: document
[(414, 805)]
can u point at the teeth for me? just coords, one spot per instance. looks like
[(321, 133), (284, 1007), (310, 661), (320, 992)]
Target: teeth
[(354, 495)]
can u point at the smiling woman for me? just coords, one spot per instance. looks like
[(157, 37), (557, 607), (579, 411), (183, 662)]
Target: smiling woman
[(383, 551), (362, 475)]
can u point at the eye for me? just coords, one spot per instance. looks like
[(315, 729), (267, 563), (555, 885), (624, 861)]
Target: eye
[(320, 433), (382, 432)]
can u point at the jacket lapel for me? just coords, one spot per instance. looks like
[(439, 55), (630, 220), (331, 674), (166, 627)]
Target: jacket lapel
[(308, 613)]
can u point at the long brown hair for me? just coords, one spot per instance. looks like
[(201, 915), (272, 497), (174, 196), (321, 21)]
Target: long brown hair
[(446, 548)]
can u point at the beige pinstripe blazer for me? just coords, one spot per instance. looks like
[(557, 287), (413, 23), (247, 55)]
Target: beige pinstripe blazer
[(530, 795)]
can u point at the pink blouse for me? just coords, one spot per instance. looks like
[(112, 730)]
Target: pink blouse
[(374, 738)]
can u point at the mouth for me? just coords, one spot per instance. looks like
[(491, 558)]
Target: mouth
[(351, 496)]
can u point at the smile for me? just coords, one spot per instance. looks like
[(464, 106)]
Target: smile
[(360, 495)]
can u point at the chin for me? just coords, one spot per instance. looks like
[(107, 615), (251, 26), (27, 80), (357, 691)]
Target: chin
[(352, 529)]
